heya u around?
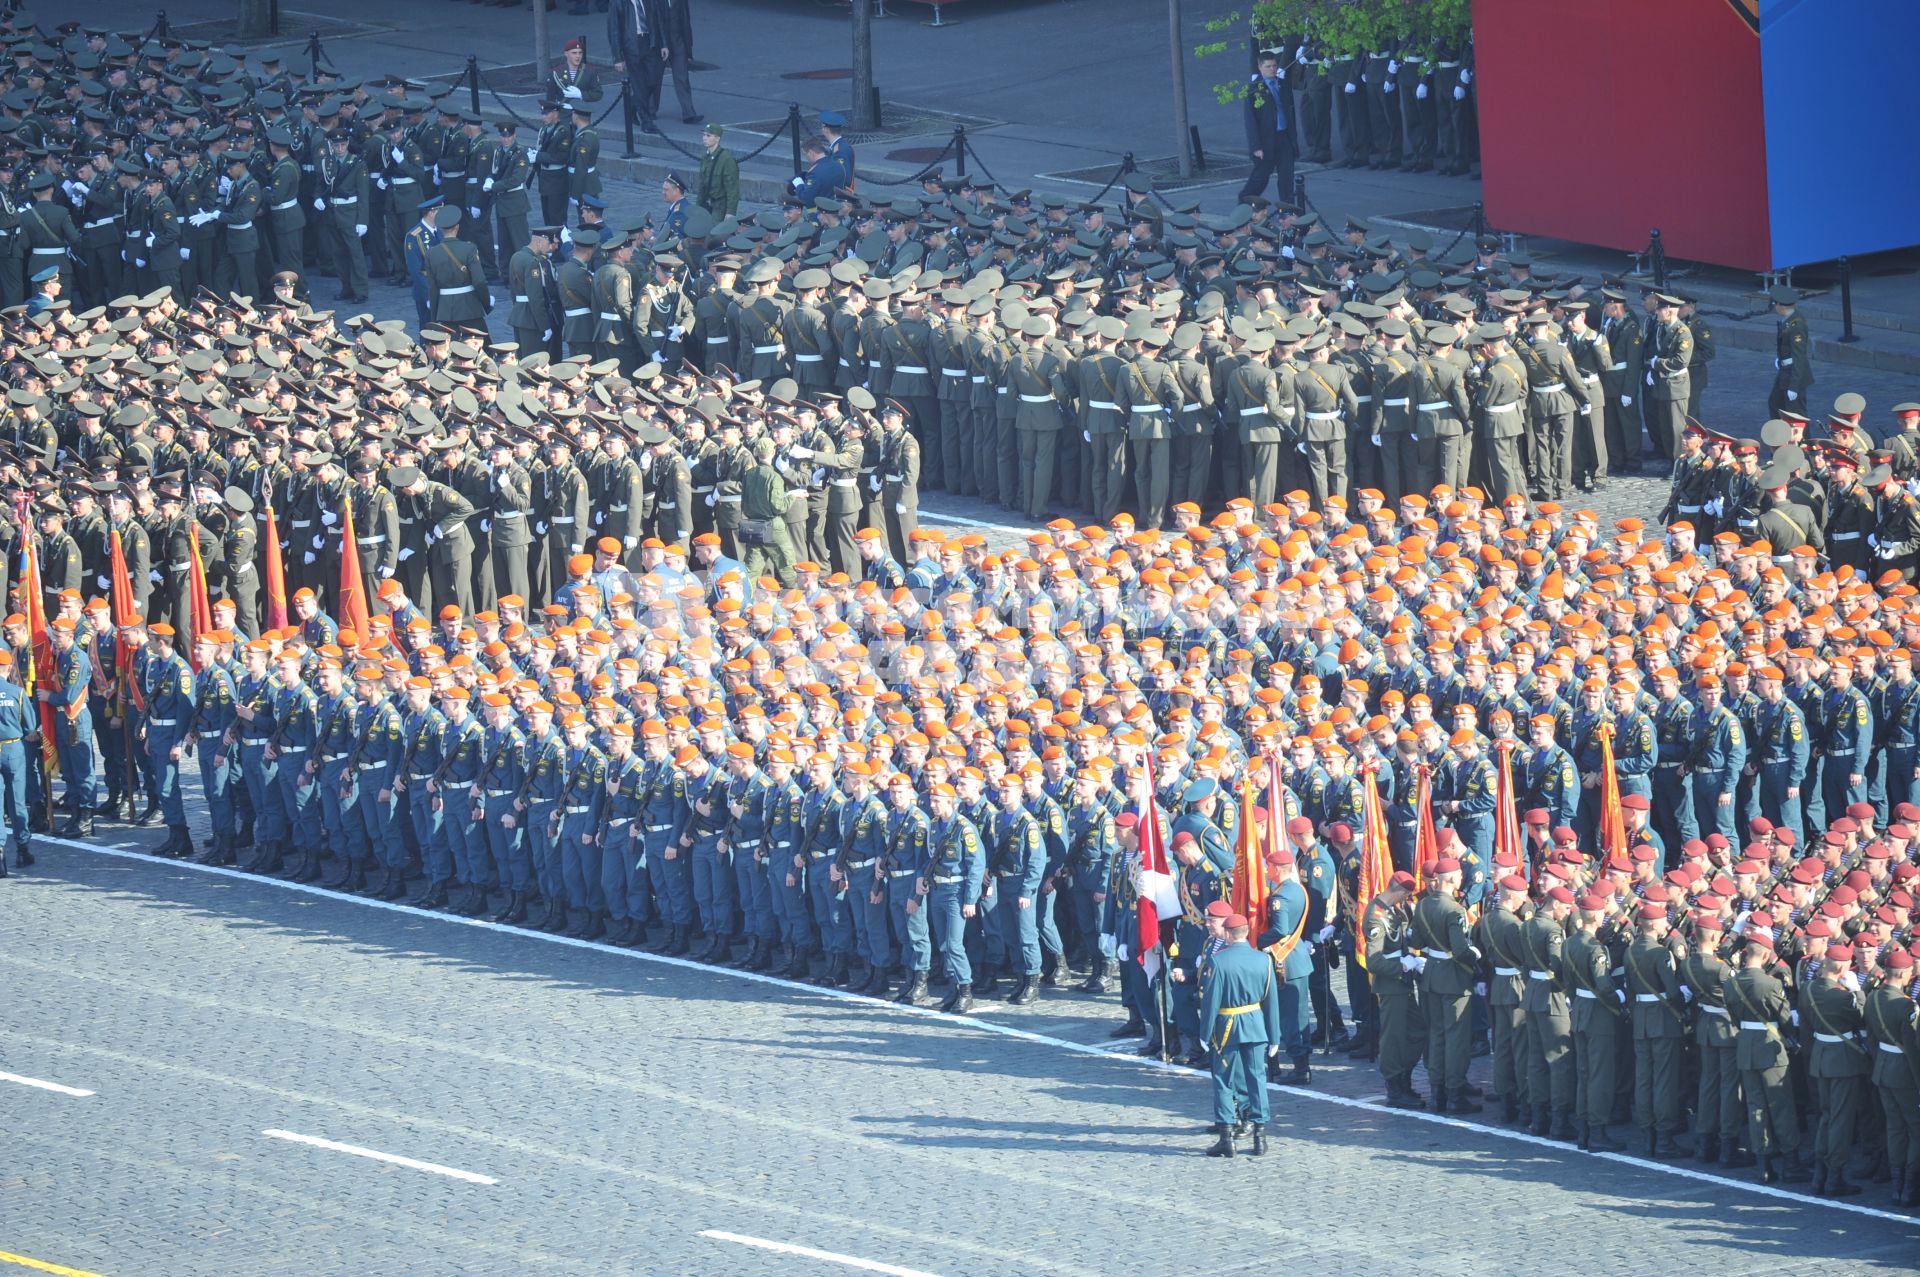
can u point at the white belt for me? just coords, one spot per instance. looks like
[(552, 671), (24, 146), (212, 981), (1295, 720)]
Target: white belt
[(379, 540), (1589, 377), (1363, 398), (1550, 389), (1690, 509), (1036, 398), (1101, 403), (96, 225), (1506, 970), (981, 380), (1191, 407), (911, 368), (768, 350), (1646, 997), (1845, 536), (721, 341), (283, 207), (337, 201), (1252, 412), (1437, 406), (1323, 416), (1891, 1049), (610, 315), (1148, 409), (575, 314), (451, 292), (953, 372), (1396, 403), (846, 483), (579, 811), (306, 168), (520, 298), (1783, 363), (1585, 993), (1539, 975), (1711, 1009), (400, 181), (1831, 1039), (808, 359), (1503, 407), (1758, 1026), (1616, 368), (237, 226), (61, 251)]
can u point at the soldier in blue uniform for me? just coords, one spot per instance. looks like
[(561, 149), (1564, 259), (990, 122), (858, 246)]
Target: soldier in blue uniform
[(211, 718), (1675, 724), (906, 863), (16, 720), (1289, 947), (1092, 843), (1848, 719), (1471, 789), (293, 715), (579, 819), (1547, 776), (498, 850), (863, 841), (1019, 866), (419, 240), (1243, 1020), (1053, 835), (451, 786), (819, 858), (956, 873), (1898, 716), (1779, 752), (167, 683), (623, 863), (66, 692), (379, 746), (329, 767), (663, 810), (747, 841), (1719, 754), (1199, 882), (425, 728), (786, 875), (703, 838)]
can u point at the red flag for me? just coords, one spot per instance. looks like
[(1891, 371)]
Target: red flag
[(199, 605), (353, 595), (1249, 863), (1158, 899), (39, 648), (1613, 821), (1277, 839), (1426, 845), (123, 615), (1376, 857), (276, 576), (1506, 813)]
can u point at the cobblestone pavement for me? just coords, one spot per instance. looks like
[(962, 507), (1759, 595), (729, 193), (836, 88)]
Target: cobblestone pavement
[(624, 1104)]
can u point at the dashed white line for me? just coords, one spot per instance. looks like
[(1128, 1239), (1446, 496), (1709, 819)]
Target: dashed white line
[(1003, 1030), (41, 1085), (374, 1154), (808, 1252)]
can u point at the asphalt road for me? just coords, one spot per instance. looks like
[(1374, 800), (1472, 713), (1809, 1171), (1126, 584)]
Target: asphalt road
[(601, 1111)]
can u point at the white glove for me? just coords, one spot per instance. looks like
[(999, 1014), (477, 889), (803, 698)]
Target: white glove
[(1649, 376), (1420, 91), (1626, 401), (359, 230), (1480, 990), (329, 518), (1376, 441), (800, 452), (1622, 995), (899, 507), (185, 252), (599, 517), (149, 241), (547, 335), (1388, 87), (1686, 994), (1466, 75), (795, 182), (1792, 395), (1300, 448), (1586, 410), (154, 576), (226, 186), (1325, 933), (399, 156), (875, 481), (566, 235), (305, 558), (1793, 1017), (1851, 980), (1409, 963), (1459, 94), (571, 91), (436, 175), (385, 573), (486, 187), (380, 183), (630, 542), (319, 206), (1300, 55), (1108, 946), (486, 525), (710, 499), (1087, 435), (406, 552), (1122, 952), (1393, 66), (676, 332), (473, 211), (533, 156), (140, 262), (104, 583), (1776, 364), (1273, 1050), (1352, 87), (540, 529)]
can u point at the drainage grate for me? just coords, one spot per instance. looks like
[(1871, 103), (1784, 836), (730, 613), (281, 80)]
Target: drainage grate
[(897, 120), (1164, 170)]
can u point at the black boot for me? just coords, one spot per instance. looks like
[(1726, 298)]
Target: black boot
[(23, 856), (596, 925), (1581, 1141), (1838, 1185), (1223, 1147), (1600, 1139), (916, 991), (1510, 1109), (1562, 1126), (765, 961), (753, 951), (1364, 1045), (148, 814), (1259, 1140), (219, 853), (1542, 1119), (80, 825), (879, 980), (513, 899), (340, 879), (1458, 1101), (1709, 1148), (1819, 1178), (1097, 981), (1050, 971), (961, 1001), (837, 970), (987, 979), (681, 942), (1026, 993), (244, 838), (1133, 1028), (1732, 1156), (309, 870), (434, 897), (1769, 1170), (1791, 1169)]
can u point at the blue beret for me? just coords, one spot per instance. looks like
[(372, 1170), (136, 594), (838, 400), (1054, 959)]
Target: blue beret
[(46, 274), (1199, 789), (833, 118)]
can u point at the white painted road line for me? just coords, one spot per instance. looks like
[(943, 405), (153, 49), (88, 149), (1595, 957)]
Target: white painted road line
[(965, 522), (1752, 1187), (37, 1084), (432, 1168), (808, 1252)]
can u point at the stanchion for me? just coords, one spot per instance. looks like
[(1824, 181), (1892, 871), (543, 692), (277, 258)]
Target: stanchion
[(793, 129), (626, 119), (1300, 191), (1199, 152), (473, 81), (960, 149), (1657, 251), (1847, 335)]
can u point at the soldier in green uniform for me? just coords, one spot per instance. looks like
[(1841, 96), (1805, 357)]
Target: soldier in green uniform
[(616, 333), (457, 285), (1718, 1116), (899, 476), (1895, 1035), (49, 231), (1441, 933), (1792, 354), (238, 214), (763, 526), (286, 216), (1758, 1005), (160, 237), (1549, 1053), (1669, 381), (1596, 1015), (533, 287), (1653, 979), (579, 317), (1704, 350), (1500, 416), (1036, 386), (341, 199), (1557, 396), (1150, 401), (1442, 410), (583, 156), (1096, 377), (1327, 403), (1622, 382), (1393, 976), (551, 158), (1832, 1010)]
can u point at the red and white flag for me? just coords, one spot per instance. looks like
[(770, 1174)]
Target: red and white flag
[(1158, 898)]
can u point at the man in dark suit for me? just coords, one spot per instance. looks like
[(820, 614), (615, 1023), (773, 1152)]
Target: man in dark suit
[(647, 37), (1270, 135)]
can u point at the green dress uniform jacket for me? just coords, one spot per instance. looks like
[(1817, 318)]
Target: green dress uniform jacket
[(457, 284)]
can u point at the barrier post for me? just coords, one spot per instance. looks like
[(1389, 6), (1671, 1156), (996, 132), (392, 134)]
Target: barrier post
[(1847, 335)]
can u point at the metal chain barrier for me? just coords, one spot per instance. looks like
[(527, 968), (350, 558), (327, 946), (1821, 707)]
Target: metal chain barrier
[(930, 167), (511, 113)]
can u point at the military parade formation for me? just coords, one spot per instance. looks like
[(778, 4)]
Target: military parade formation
[(622, 623)]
